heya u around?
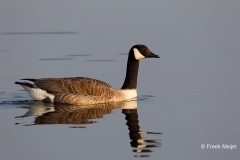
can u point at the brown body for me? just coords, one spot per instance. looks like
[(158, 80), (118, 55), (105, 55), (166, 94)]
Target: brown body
[(79, 90)]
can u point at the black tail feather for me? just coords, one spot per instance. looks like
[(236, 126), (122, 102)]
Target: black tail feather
[(25, 84), (29, 79)]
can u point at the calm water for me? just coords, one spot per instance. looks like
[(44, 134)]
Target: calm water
[(188, 99)]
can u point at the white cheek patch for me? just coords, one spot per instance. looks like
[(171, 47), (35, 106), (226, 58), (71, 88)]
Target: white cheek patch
[(137, 54)]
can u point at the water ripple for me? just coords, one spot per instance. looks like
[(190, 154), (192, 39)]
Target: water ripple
[(102, 60), (54, 59), (27, 33)]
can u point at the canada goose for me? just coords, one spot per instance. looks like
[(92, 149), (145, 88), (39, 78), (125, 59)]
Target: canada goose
[(85, 91)]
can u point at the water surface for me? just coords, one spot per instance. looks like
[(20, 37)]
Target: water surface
[(186, 99)]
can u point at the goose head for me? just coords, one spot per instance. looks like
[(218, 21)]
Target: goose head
[(136, 53), (140, 51)]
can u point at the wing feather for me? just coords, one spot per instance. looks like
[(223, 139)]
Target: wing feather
[(76, 85)]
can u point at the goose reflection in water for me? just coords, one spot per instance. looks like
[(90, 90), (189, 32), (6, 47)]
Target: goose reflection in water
[(141, 145), (54, 113)]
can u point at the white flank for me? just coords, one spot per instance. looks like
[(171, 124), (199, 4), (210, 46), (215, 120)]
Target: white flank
[(137, 54), (129, 93), (37, 93)]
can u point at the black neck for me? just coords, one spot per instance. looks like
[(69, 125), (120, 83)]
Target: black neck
[(132, 73)]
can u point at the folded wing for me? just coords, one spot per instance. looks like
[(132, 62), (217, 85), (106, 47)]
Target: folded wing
[(75, 85)]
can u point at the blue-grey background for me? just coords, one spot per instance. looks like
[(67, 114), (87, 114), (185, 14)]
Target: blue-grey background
[(195, 83)]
